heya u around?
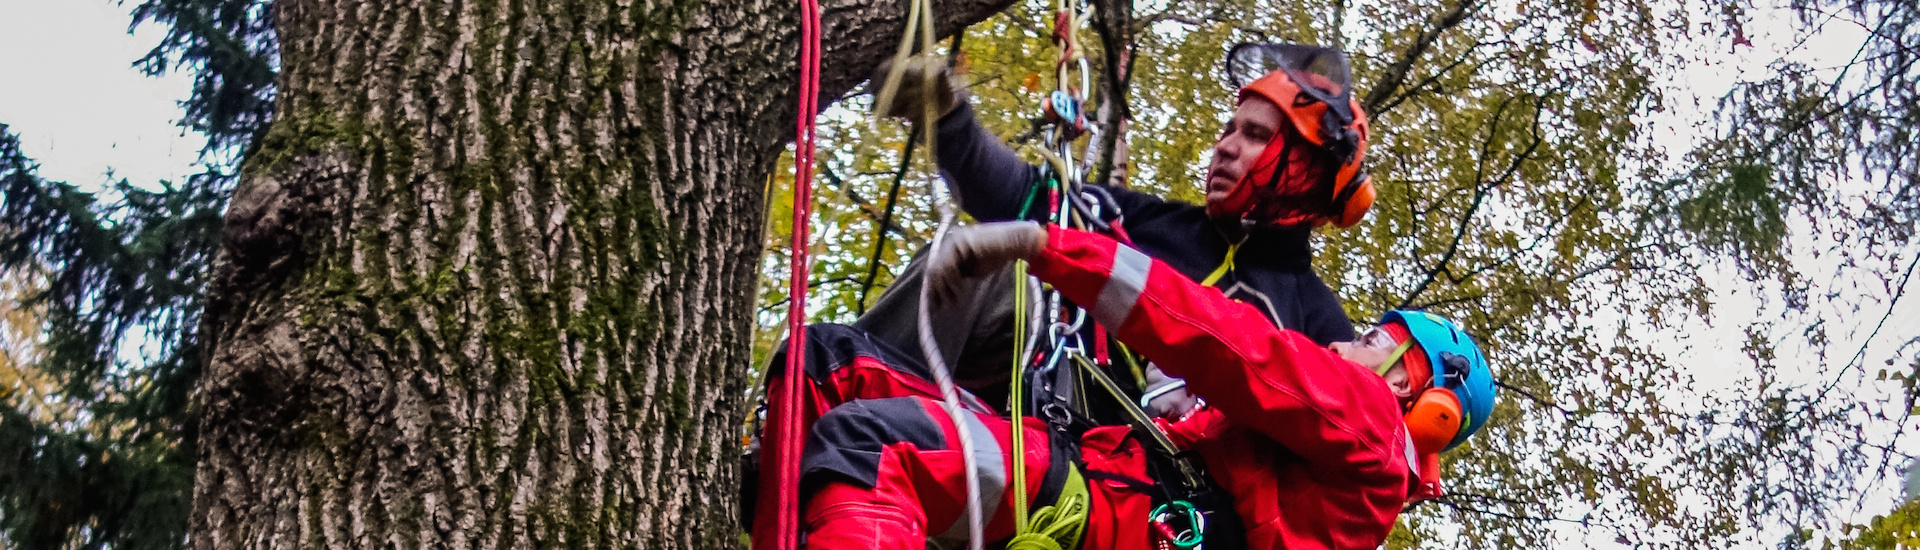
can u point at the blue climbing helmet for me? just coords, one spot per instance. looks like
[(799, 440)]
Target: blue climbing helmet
[(1458, 366)]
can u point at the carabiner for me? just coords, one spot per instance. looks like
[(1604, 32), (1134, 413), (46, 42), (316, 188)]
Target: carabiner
[(1196, 527)]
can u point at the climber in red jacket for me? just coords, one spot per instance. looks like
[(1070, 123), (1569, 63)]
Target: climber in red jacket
[(1290, 159), (1318, 447)]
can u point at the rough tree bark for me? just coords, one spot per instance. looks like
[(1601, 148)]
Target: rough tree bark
[(487, 280)]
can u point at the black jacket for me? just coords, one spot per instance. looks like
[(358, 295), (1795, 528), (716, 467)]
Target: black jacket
[(1273, 269)]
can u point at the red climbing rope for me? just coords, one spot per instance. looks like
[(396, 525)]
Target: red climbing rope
[(787, 520)]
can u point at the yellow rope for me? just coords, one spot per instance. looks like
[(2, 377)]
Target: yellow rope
[(1058, 527), (1019, 438)]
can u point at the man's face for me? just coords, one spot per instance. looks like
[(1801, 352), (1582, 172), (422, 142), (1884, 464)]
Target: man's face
[(1373, 349), (1252, 126)]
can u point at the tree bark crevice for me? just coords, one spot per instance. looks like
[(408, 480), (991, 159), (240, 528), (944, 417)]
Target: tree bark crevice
[(484, 283)]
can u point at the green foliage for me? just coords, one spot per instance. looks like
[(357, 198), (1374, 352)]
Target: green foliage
[(1524, 191), (19, 329), (1898, 530), (1816, 159), (102, 456), (100, 453), (229, 47), (1739, 213), (1838, 141)]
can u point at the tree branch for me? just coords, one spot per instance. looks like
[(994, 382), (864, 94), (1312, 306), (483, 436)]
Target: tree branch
[(1408, 92), (782, 303), (1448, 502), (883, 220), (1482, 190), (1545, 233), (1502, 384), (1113, 22), (886, 220), (1397, 73), (848, 58)]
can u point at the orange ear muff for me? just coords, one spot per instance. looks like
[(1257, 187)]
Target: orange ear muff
[(1357, 203), (1434, 419)]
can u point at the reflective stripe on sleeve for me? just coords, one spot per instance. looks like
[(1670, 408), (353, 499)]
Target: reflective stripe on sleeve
[(1413, 457), (990, 466), (1123, 287)]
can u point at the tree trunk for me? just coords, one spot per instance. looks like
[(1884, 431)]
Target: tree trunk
[(1113, 23), (487, 280)]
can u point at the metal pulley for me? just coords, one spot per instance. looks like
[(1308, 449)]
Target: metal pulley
[(1063, 108)]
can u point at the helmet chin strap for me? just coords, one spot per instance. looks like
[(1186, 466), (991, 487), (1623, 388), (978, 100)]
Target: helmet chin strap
[(1258, 196), (1265, 193)]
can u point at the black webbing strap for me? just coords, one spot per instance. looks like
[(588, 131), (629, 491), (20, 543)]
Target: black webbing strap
[(1190, 478)]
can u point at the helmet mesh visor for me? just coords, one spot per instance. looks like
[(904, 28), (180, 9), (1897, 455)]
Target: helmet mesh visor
[(1320, 72)]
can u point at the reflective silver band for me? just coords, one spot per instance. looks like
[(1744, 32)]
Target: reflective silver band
[(1123, 288), (990, 467), (1413, 456)]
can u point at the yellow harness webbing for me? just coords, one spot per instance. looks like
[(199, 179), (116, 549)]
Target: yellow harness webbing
[(1226, 265), (1060, 526), (1018, 436)]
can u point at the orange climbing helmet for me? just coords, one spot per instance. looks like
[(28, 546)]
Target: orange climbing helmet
[(1313, 87)]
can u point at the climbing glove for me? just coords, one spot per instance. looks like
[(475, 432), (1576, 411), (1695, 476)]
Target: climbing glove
[(909, 101), (1167, 397), (977, 251)]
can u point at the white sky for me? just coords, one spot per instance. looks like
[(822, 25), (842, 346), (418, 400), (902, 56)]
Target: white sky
[(68, 89), (1713, 349)]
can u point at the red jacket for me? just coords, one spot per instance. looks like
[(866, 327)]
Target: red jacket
[(1312, 447)]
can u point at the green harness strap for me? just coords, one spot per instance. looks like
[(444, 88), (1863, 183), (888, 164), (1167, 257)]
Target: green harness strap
[(1060, 526)]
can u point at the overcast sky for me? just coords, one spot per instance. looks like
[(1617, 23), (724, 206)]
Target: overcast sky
[(68, 89)]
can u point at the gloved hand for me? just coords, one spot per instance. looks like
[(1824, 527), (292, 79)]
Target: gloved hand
[(909, 100), (1167, 397), (976, 251)]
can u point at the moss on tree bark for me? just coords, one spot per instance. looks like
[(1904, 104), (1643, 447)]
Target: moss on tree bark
[(484, 283)]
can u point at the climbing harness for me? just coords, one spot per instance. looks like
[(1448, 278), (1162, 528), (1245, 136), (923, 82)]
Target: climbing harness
[(1065, 372)]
